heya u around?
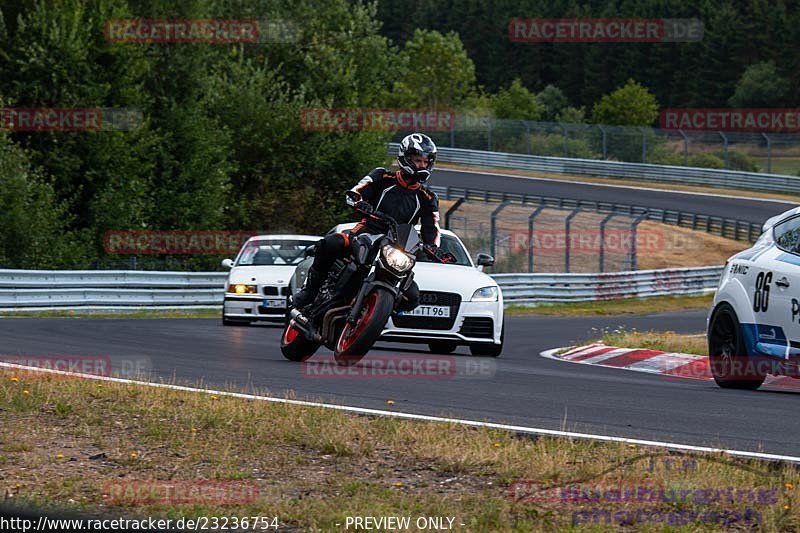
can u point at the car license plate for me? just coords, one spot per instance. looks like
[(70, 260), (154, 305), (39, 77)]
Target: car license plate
[(438, 311), (274, 303)]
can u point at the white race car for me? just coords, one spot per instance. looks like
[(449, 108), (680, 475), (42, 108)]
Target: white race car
[(754, 323), (256, 288), (459, 304)]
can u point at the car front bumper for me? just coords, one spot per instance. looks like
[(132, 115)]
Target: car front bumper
[(474, 323), (254, 307)]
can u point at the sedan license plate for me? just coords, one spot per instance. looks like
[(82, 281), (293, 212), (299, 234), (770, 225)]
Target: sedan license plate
[(437, 311), (274, 303)]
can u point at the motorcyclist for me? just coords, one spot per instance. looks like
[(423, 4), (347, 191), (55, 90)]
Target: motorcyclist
[(400, 194)]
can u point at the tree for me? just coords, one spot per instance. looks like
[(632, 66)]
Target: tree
[(760, 86), (517, 102), (553, 101), (630, 105), (438, 74)]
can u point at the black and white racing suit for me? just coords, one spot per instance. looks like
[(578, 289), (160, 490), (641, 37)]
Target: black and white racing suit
[(389, 193)]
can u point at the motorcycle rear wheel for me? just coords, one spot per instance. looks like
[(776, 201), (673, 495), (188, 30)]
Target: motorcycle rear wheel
[(295, 346)]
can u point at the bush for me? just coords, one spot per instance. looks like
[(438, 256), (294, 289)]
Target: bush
[(739, 161), (706, 161)]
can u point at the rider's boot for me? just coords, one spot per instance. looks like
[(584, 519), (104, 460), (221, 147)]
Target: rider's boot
[(310, 288)]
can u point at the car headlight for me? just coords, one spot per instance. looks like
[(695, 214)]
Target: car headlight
[(485, 294), (397, 259), (240, 288)]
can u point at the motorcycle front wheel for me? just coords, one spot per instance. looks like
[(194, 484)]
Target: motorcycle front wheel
[(356, 339)]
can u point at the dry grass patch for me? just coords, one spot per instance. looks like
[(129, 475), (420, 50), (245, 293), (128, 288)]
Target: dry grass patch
[(668, 341), (65, 440), (637, 306)]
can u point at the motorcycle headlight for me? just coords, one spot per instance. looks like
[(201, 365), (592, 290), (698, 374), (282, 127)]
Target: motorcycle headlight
[(397, 259), (240, 288), (485, 294)]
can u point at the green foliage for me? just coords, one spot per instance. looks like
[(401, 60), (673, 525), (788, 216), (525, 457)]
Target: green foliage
[(554, 102), (739, 161), (517, 102), (437, 72), (630, 105), (706, 160), (760, 86), (572, 115)]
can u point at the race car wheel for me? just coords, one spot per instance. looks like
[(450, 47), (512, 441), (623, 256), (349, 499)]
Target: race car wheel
[(730, 365), (442, 347), (489, 350)]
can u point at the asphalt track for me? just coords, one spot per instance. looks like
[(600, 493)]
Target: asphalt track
[(518, 388), (749, 210)]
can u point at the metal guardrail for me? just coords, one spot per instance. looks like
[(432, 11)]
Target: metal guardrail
[(41, 289), (77, 289), (730, 228), (637, 171), (538, 288)]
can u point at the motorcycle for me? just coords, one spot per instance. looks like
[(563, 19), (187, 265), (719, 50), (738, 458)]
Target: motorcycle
[(359, 294)]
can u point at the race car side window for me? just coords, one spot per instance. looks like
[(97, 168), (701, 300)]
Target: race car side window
[(787, 235)]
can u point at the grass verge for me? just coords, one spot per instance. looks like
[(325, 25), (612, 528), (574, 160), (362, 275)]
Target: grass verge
[(65, 441), (628, 306), (667, 341)]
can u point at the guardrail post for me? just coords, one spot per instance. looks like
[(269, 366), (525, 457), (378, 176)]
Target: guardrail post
[(566, 231), (685, 148), (736, 231), (530, 235), (603, 239), (493, 222), (694, 221), (769, 152), (633, 251), (450, 212), (725, 148)]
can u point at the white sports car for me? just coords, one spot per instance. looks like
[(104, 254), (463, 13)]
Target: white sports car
[(256, 288), (459, 304), (754, 323)]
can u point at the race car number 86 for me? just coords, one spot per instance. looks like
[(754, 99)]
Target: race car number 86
[(761, 296)]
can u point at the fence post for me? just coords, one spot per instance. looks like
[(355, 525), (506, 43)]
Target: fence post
[(603, 238), (489, 122), (450, 212), (725, 148), (769, 153), (685, 148), (566, 146), (453, 134), (644, 146), (528, 136), (605, 141), (634, 227), (566, 231), (494, 227), (530, 235)]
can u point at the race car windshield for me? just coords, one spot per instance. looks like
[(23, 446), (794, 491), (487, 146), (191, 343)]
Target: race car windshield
[(273, 252), (449, 244)]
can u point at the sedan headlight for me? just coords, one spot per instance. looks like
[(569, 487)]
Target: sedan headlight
[(397, 259), (485, 294), (240, 288)]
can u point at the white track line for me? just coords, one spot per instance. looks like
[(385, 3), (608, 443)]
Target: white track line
[(427, 418), (634, 187)]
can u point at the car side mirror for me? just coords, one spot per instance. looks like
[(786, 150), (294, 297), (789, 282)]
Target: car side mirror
[(227, 263), (485, 260), (309, 251)]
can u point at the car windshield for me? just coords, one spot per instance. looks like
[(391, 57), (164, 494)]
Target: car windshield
[(450, 244), (273, 252)]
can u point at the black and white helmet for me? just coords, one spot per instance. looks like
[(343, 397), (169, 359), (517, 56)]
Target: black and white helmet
[(416, 144)]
